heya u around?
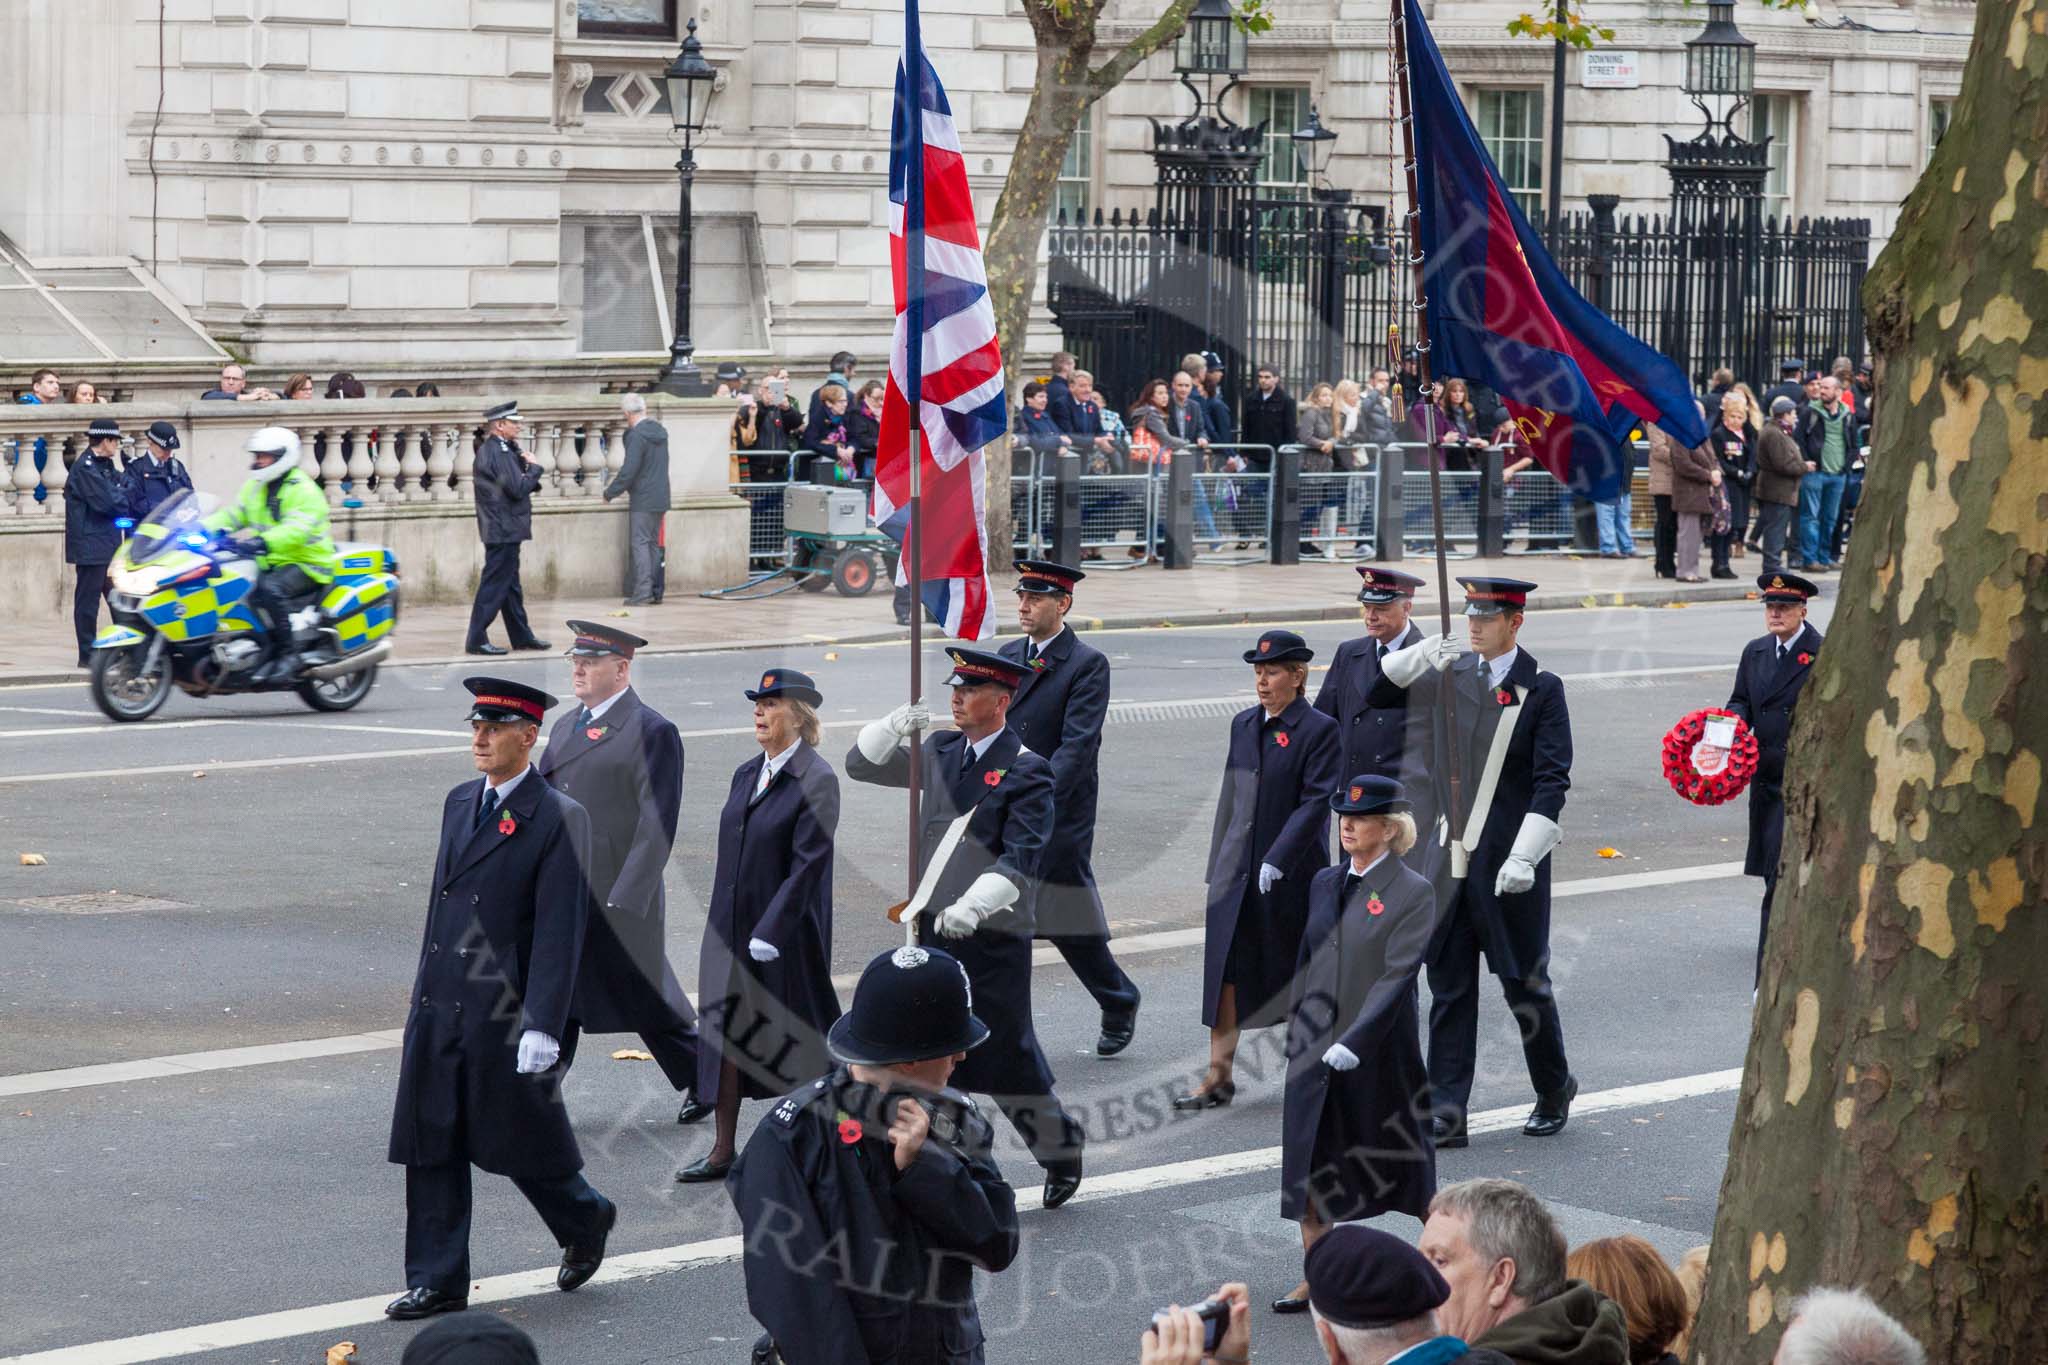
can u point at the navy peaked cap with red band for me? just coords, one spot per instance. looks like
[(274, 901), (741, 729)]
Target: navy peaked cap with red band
[(1786, 588), (1492, 596), (1042, 575), (972, 666), (1279, 647), (1385, 585), (501, 699), (595, 641)]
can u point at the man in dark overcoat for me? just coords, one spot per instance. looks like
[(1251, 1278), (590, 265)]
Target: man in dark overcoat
[(479, 1074), (622, 761), (1382, 740), (1512, 755), (973, 894), (1058, 712), (1768, 682), (504, 483)]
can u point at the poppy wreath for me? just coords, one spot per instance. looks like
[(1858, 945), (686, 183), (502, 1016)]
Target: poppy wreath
[(1696, 786)]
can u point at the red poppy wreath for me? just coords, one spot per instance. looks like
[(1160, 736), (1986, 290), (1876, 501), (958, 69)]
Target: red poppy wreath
[(1722, 780)]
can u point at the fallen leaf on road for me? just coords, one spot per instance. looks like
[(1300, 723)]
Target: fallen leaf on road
[(1610, 853), (632, 1054), (618, 613), (199, 772), (1676, 606), (342, 1353), (1589, 601), (34, 860), (831, 656)]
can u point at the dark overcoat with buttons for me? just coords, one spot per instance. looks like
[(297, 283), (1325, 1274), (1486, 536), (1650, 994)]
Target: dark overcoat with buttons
[(97, 493), (773, 881), (1058, 712), (1536, 772), (1009, 791), (152, 483), (1765, 693), (504, 486), (1351, 1142), (506, 913), (1274, 808), (626, 770), (1377, 739)]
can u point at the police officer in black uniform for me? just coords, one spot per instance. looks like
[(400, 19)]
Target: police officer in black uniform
[(1768, 682), (1058, 712), (95, 497), (1378, 739), (869, 1197), (622, 761), (503, 485), (158, 473), (479, 1074), (987, 811)]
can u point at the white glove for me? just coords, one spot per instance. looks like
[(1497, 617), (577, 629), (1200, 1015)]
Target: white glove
[(1533, 843), (991, 891), (537, 1052), (1268, 874), (878, 738), (1340, 1058), (1404, 667), (761, 950)]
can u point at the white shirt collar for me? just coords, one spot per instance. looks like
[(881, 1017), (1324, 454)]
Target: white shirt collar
[(980, 746), (1033, 648), (506, 788), (607, 704), (777, 762), (1352, 868), (1497, 669)]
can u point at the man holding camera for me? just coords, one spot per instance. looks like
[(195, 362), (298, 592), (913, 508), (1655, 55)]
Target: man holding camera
[(870, 1196)]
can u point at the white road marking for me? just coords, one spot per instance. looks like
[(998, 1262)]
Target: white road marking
[(332, 1317), (340, 1045), (108, 727), (44, 710), (233, 763)]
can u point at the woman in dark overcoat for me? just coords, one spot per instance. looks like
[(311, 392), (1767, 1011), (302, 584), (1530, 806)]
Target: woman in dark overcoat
[(1272, 835), (764, 974), (1353, 1135)]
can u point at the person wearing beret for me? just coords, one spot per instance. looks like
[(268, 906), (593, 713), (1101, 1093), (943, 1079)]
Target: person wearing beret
[(1353, 1137), (764, 974), (622, 761), (1378, 739), (870, 1196), (503, 486), (96, 495), (1058, 712), (1512, 756), (1768, 681), (986, 812), (1271, 837), (158, 473), (479, 1068)]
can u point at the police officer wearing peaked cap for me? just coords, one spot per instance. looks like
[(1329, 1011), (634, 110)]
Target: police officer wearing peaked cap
[(503, 485), (156, 473), (96, 495), (479, 1073), (870, 1196)]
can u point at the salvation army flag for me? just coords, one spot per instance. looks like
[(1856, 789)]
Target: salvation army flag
[(1501, 312)]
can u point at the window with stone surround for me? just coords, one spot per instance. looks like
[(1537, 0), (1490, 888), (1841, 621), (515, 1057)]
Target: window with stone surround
[(1074, 195), (1511, 125), (1939, 111), (626, 19), (1282, 108), (618, 282), (1777, 116)]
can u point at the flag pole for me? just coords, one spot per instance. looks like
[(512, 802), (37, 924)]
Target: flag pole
[(1398, 30), (913, 331)]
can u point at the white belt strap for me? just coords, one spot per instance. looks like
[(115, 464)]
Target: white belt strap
[(933, 872), (1482, 799)]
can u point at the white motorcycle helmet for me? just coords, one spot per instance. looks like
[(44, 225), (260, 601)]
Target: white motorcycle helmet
[(281, 442)]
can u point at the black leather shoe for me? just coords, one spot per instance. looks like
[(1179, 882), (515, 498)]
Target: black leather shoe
[(486, 648), (1547, 1119), (1117, 1031), (1215, 1097), (534, 644), (1446, 1131), (693, 1109), (422, 1303), (703, 1170), (1061, 1181), (580, 1260), (1290, 1304)]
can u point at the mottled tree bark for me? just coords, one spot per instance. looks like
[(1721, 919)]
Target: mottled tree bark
[(1892, 1132)]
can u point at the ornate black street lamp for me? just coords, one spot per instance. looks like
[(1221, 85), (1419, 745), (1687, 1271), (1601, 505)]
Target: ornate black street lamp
[(1720, 64), (1211, 45), (688, 79)]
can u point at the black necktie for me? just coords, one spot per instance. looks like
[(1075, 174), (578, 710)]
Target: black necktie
[(585, 719), (1030, 650), (490, 803), (966, 758), (1383, 651), (1351, 883)]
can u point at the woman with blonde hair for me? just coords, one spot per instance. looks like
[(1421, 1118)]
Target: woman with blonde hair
[(764, 973), (1629, 1271), (1352, 1138)]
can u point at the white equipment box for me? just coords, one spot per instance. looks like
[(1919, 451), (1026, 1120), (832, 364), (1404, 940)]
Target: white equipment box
[(821, 510)]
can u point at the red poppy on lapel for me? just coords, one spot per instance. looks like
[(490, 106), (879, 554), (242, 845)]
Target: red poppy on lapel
[(594, 732), (1280, 738), (1040, 664), (1805, 659), (849, 1130), (1504, 697), (1375, 906), (507, 824), (993, 776)]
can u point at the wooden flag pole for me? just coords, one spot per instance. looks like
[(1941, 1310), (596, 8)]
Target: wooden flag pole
[(1446, 705), (913, 317)]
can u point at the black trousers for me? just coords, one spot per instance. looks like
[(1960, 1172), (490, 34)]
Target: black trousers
[(437, 1204), (498, 593), (1097, 970), (673, 1044), (85, 607), (276, 594), (1664, 534), (1454, 1021), (1763, 928), (1053, 1136)]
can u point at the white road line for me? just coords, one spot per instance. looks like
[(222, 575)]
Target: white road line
[(332, 1317), (107, 727), (341, 1045), (44, 710), (158, 769)]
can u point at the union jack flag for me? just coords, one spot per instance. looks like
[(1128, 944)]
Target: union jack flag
[(942, 301)]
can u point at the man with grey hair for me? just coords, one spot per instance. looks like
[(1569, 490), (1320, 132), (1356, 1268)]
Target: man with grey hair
[(1843, 1327), (643, 477), (1780, 465), (1503, 1256)]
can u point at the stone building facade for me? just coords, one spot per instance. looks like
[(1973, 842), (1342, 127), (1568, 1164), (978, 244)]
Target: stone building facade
[(327, 182)]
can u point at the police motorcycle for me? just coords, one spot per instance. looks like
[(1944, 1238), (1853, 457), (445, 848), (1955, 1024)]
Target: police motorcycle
[(181, 617)]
